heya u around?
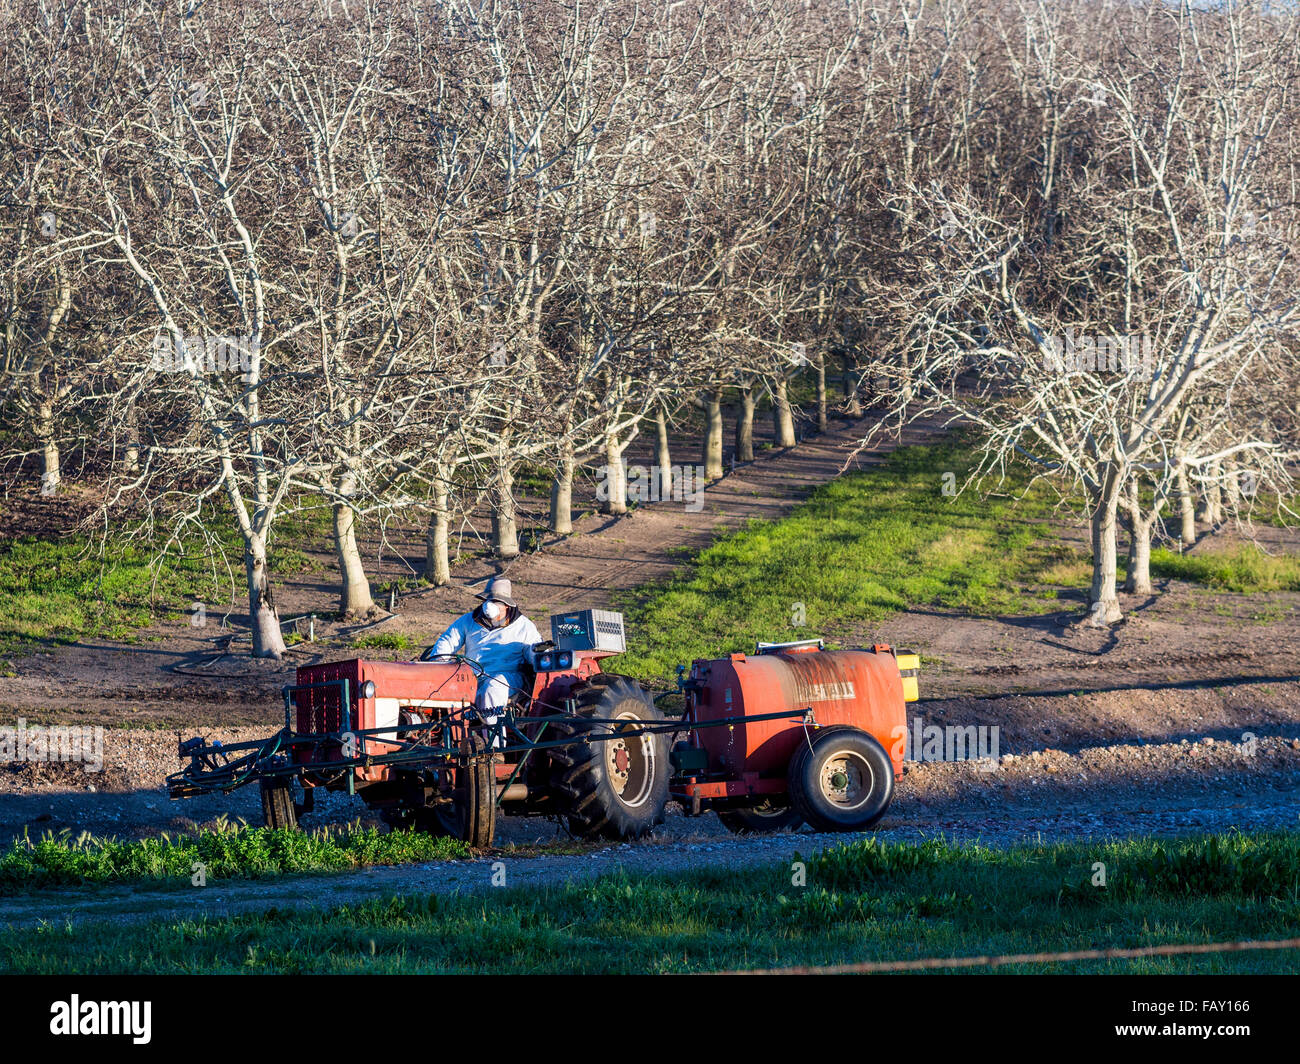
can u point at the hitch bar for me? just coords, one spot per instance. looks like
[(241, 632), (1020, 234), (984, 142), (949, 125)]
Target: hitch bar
[(218, 767)]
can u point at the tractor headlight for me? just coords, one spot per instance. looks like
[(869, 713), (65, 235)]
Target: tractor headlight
[(367, 689), (564, 659), (545, 662)]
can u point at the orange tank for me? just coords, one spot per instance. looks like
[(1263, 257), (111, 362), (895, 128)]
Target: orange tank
[(862, 688)]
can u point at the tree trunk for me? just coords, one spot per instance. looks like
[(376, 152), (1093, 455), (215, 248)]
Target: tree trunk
[(354, 596), (663, 455), (782, 417), (50, 471), (505, 530), (823, 420), (268, 640), (745, 424), (1212, 498), (1139, 559), (562, 494), (437, 559), (1103, 597), (1231, 494), (615, 501), (713, 434), (852, 407), (131, 461), (1188, 508)]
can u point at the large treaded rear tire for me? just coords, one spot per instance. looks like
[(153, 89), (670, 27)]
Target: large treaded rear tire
[(614, 788)]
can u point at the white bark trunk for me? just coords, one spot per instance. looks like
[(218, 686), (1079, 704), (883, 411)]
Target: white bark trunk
[(50, 469), (1103, 597), (1211, 510), (712, 457), (1187, 507), (263, 620), (562, 494), (663, 455), (505, 530), (437, 559), (823, 421), (1138, 580), (745, 425), (782, 417), (131, 460), (354, 593), (615, 501), (852, 407)]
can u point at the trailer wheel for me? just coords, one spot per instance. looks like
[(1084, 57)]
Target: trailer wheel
[(476, 796), (615, 788), (757, 819), (841, 780), (278, 810)]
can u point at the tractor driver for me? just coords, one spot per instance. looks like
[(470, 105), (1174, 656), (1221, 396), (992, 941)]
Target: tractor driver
[(499, 638)]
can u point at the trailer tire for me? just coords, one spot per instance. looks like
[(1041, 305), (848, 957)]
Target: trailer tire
[(278, 809), (615, 788), (760, 819), (841, 780)]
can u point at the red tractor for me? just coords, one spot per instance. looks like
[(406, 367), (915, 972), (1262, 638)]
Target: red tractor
[(586, 746)]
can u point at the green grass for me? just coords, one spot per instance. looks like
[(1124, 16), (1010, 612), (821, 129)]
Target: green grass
[(63, 590), (230, 852), (860, 548), (866, 900), (73, 588), (384, 641), (1246, 569)]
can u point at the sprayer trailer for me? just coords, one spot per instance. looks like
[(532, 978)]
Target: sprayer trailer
[(769, 771), (589, 747)]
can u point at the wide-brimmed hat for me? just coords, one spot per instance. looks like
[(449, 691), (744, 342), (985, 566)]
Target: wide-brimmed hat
[(498, 589)]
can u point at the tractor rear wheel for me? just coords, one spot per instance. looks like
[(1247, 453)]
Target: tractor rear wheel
[(616, 788), (841, 780), (476, 796), (278, 810), (757, 819)]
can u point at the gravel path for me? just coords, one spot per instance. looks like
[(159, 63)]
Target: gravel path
[(1048, 795)]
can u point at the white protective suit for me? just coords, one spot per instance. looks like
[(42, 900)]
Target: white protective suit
[(500, 652)]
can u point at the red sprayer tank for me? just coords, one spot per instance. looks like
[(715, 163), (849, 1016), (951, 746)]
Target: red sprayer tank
[(862, 688)]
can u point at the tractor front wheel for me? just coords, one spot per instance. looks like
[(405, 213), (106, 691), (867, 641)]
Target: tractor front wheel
[(278, 810), (842, 780), (612, 787), (476, 795)]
